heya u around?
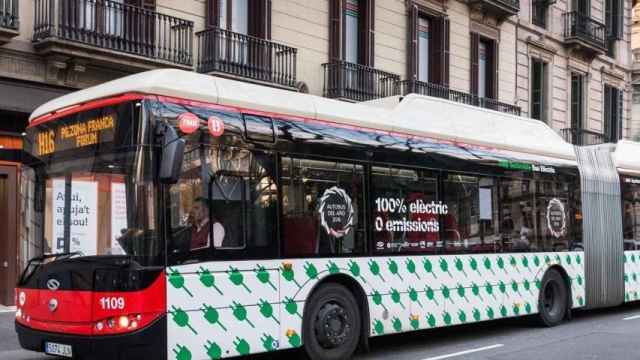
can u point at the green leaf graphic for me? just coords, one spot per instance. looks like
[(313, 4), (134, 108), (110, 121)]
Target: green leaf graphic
[(415, 323), (500, 263), (462, 316), (487, 265), (431, 320), (444, 266), (354, 268), (490, 313), (488, 287), (446, 317), (475, 290), (503, 311), (514, 263), (413, 295), (476, 314), (445, 293), (473, 264), (525, 262), (397, 324), (536, 261), (461, 292), (294, 339)]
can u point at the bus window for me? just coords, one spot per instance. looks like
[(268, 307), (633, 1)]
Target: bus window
[(517, 200), (472, 214), (631, 213), (243, 201), (406, 211), (322, 207)]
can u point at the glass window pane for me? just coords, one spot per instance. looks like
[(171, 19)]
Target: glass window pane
[(239, 16), (631, 213), (351, 35), (472, 218), (406, 211), (482, 68), (322, 207), (423, 49)]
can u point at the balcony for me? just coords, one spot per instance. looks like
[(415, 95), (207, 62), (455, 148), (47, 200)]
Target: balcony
[(108, 32), (8, 20), (428, 89), (581, 32), (355, 82), (234, 55), (583, 136), (501, 9)]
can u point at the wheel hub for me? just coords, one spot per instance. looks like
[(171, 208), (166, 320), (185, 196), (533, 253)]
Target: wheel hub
[(332, 325)]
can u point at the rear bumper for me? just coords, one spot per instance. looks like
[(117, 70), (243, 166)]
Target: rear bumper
[(147, 343)]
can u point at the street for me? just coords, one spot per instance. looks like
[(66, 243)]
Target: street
[(598, 334)]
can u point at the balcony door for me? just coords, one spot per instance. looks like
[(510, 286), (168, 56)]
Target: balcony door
[(237, 43), (583, 7), (484, 68)]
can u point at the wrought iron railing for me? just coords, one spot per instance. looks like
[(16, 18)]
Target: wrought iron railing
[(357, 82), (115, 26), (429, 89), (246, 56), (582, 27), (583, 136), (9, 14)]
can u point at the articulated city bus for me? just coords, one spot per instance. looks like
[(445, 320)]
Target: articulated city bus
[(173, 215)]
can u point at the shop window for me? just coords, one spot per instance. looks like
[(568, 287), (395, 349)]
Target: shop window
[(322, 206), (406, 211)]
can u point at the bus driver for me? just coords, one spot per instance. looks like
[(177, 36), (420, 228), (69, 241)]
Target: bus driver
[(199, 220)]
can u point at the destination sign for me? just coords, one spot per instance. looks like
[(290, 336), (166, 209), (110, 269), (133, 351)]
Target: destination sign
[(75, 135)]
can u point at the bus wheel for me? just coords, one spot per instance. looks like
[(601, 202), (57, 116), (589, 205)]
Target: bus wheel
[(552, 300), (331, 326)]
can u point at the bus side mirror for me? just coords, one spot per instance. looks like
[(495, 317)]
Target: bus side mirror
[(172, 153)]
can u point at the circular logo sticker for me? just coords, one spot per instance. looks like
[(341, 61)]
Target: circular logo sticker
[(188, 123), (556, 218), (336, 212), (216, 126)]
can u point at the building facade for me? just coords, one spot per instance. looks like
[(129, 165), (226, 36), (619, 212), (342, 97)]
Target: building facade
[(567, 63), (635, 74)]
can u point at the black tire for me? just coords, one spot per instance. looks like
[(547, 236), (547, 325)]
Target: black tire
[(553, 300), (331, 326)]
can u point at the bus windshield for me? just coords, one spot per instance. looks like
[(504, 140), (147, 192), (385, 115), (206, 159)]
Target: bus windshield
[(91, 199)]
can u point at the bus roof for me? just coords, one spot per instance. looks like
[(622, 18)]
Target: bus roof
[(412, 114), (626, 157)]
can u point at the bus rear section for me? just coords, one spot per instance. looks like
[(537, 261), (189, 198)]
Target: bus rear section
[(99, 290)]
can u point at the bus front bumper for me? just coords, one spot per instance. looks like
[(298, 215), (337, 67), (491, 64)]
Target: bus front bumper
[(146, 343)]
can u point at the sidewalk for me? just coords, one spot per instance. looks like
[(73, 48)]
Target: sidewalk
[(6, 309)]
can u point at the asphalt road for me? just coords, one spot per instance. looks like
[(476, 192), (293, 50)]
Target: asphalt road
[(608, 334)]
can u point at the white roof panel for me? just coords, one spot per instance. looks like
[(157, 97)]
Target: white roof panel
[(627, 156), (415, 114)]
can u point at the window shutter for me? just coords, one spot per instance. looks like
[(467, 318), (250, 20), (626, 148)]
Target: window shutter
[(368, 42), (608, 116), (474, 47), (336, 15), (493, 91), (435, 50), (259, 14), (445, 52), (619, 19), (412, 43), (619, 112), (211, 18)]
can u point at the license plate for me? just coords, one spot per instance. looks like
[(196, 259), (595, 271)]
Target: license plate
[(58, 349)]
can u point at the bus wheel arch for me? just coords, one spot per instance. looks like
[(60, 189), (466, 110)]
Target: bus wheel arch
[(554, 298), (353, 288)]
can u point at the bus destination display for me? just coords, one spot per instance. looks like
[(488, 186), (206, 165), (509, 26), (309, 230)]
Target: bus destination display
[(77, 134)]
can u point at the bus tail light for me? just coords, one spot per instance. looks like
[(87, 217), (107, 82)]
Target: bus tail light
[(121, 324)]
